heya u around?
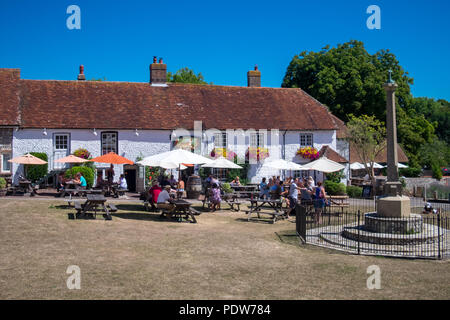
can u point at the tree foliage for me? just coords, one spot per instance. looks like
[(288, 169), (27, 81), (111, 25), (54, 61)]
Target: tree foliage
[(349, 80), (186, 75), (367, 135)]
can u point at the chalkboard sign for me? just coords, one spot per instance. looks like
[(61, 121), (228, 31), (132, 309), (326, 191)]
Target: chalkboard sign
[(367, 190)]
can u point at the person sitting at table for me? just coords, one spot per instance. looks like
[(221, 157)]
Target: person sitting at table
[(61, 182), (110, 174), (123, 182), (99, 182), (276, 191), (215, 198), (263, 189), (164, 181), (153, 193), (172, 182), (80, 180), (235, 182), (163, 201)]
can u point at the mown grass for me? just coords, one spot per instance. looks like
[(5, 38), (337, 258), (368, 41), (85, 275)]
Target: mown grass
[(137, 255)]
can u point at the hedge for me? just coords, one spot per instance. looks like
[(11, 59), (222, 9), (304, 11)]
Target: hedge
[(88, 174), (410, 172), (2, 183), (354, 191), (37, 171), (334, 188)]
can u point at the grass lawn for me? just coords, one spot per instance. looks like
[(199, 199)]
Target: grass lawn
[(137, 255)]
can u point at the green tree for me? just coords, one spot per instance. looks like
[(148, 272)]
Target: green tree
[(436, 152), (185, 75), (367, 135), (348, 79), (438, 112)]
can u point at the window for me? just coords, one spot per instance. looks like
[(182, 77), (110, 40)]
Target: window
[(306, 140), (5, 165), (5, 138), (61, 141), (109, 142), (220, 174), (220, 140), (257, 140)]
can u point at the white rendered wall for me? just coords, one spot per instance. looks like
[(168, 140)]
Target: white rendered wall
[(149, 142)]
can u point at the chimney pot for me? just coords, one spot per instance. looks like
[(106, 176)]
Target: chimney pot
[(158, 72), (81, 75), (254, 78)]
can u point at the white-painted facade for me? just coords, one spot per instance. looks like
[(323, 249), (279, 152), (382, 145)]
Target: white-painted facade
[(133, 144)]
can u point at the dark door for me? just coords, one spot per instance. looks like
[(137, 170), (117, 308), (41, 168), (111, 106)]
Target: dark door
[(130, 176)]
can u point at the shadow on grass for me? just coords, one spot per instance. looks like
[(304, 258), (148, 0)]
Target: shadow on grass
[(254, 220)]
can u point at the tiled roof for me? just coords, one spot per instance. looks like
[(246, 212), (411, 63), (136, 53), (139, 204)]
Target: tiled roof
[(331, 154), (9, 97), (125, 105)]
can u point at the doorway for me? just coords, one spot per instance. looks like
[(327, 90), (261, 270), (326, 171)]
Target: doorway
[(130, 176)]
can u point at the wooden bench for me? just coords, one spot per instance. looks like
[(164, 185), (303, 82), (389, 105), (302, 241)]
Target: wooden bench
[(112, 207)]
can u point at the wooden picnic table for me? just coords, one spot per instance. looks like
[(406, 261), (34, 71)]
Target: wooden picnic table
[(274, 206), (94, 203), (339, 202), (182, 209), (233, 201)]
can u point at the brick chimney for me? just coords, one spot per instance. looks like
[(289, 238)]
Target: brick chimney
[(81, 76), (254, 78), (158, 72)]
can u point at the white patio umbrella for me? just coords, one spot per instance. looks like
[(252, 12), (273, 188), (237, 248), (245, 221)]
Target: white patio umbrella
[(174, 157), (282, 164), (223, 163), (324, 165), (401, 165), (356, 166), (375, 165)]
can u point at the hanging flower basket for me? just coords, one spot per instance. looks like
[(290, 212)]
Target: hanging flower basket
[(82, 153), (223, 152), (256, 153), (308, 153)]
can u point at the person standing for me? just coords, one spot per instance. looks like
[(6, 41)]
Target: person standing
[(110, 174), (319, 202), (215, 199), (293, 196)]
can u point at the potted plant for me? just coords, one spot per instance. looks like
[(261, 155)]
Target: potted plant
[(2, 187)]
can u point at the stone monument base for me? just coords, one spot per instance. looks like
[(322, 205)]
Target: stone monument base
[(394, 207), (409, 225)]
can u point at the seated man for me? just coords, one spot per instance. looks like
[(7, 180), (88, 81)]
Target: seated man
[(163, 201)]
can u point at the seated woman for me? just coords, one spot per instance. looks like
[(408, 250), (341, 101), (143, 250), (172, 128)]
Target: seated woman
[(123, 182), (153, 194), (80, 181)]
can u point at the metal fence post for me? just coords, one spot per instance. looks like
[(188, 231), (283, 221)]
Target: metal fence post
[(300, 212), (439, 233), (359, 227)]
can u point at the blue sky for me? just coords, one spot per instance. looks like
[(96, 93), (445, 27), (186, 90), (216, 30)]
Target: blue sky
[(220, 39)]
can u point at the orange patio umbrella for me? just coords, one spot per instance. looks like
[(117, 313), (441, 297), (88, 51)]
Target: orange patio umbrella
[(27, 159), (112, 158), (71, 159)]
